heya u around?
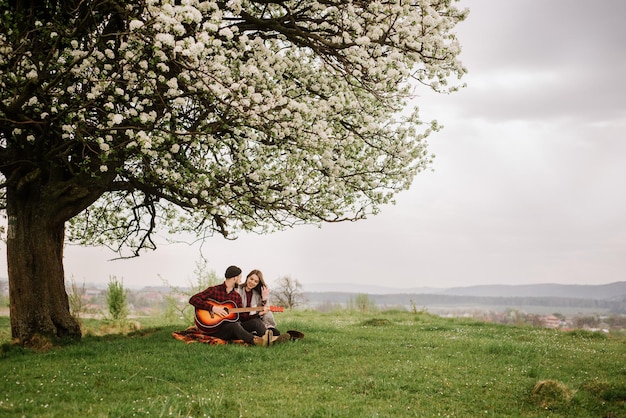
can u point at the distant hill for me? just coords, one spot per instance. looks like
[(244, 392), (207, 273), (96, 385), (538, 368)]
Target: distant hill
[(369, 289), (609, 298), (611, 291)]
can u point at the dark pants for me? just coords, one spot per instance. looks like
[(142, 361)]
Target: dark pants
[(240, 330), (255, 326)]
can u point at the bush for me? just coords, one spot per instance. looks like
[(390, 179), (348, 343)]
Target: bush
[(117, 300), (362, 303), (76, 298)]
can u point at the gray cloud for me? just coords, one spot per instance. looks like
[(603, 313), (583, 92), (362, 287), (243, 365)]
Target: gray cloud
[(537, 60)]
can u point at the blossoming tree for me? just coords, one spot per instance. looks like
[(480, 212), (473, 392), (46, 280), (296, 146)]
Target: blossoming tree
[(121, 118)]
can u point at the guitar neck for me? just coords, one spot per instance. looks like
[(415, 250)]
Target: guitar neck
[(232, 308), (251, 309)]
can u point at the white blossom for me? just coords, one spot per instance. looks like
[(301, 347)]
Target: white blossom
[(165, 39), (227, 33), (135, 24)]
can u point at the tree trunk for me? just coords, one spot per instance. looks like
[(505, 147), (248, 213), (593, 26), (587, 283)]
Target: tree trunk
[(35, 238)]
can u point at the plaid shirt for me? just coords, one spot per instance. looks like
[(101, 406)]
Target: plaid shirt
[(219, 294)]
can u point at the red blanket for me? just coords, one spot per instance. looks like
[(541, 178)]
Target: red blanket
[(193, 334)]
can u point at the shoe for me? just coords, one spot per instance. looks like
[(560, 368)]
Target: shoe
[(275, 331), (281, 339), (268, 337), (295, 335), (260, 341)]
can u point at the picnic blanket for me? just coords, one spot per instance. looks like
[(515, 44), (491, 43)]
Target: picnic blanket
[(193, 335)]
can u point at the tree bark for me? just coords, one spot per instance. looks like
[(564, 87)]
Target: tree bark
[(39, 303)]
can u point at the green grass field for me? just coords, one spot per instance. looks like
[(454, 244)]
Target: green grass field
[(379, 364)]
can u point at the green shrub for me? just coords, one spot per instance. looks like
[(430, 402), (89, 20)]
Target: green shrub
[(117, 300)]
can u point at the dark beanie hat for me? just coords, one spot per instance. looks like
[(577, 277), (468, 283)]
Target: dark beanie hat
[(232, 271)]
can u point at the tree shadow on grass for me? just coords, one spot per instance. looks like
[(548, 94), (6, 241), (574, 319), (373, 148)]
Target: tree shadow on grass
[(40, 345)]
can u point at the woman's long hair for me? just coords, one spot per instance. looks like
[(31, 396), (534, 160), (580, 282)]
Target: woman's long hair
[(261, 282)]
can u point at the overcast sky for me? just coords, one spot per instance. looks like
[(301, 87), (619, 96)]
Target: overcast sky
[(529, 183)]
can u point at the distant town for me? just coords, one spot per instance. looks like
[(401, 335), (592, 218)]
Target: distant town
[(564, 312)]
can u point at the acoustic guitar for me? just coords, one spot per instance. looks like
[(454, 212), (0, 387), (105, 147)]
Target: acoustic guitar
[(208, 321)]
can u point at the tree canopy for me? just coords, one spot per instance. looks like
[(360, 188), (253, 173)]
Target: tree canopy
[(244, 114), (126, 117)]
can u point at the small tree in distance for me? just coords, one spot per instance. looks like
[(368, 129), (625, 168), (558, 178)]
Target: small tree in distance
[(362, 302), (203, 278), (288, 292), (117, 299), (76, 298)]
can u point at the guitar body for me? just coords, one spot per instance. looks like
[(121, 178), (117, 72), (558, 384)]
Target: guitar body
[(207, 321)]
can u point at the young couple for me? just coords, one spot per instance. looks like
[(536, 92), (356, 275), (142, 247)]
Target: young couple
[(255, 328)]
